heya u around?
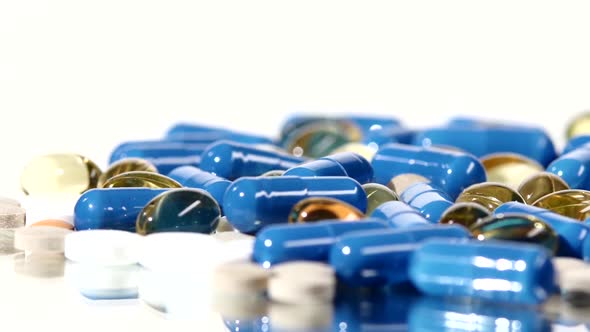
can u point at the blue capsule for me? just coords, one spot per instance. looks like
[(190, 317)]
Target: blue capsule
[(233, 160), (198, 133), (192, 177), (379, 136), (340, 164), (449, 170), (112, 208), (381, 257), (311, 242), (430, 201), (531, 142), (399, 215), (252, 203), (574, 168), (363, 122), (576, 143), (156, 149), (492, 270), (572, 233)]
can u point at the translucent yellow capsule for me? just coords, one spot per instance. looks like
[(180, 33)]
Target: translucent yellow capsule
[(571, 203), (378, 194), (509, 168), (580, 125), (464, 214), (59, 174), (539, 185), (317, 140), (323, 208), (489, 195), (124, 166), (141, 179)]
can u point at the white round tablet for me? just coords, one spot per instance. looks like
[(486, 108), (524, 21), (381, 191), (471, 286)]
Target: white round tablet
[(11, 216), (178, 251), (41, 239), (103, 247), (104, 282), (302, 282), (240, 277)]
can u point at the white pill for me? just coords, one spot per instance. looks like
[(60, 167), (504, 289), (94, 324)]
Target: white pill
[(303, 269), (104, 282), (178, 251), (575, 286), (232, 236), (302, 282), (103, 247), (564, 265), (287, 317), (41, 239), (11, 216), (44, 265), (240, 277)]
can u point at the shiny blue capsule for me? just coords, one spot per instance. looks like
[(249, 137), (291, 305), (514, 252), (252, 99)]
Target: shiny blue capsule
[(577, 142), (572, 233), (574, 168), (311, 242), (233, 160), (251, 203), (399, 215), (380, 257), (531, 142), (363, 122), (379, 136), (198, 133), (449, 170), (156, 149), (193, 177), (430, 201), (340, 164), (112, 208), (493, 270)]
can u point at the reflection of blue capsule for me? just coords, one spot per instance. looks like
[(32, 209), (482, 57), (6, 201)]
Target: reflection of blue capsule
[(233, 160), (252, 203), (380, 257), (572, 233), (577, 142), (311, 242), (438, 314), (430, 201), (494, 270), (247, 324), (192, 177), (399, 215), (528, 141), (339, 164), (156, 149), (449, 170), (199, 133), (112, 208), (574, 168)]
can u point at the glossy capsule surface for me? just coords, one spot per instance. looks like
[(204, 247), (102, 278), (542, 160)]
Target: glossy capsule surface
[(199, 133), (381, 257), (378, 194), (539, 185), (531, 142), (251, 203), (399, 215), (571, 203), (311, 242), (340, 164), (232, 160), (156, 149), (499, 271), (572, 233), (465, 214), (450, 171), (193, 177), (114, 208), (577, 142), (489, 195), (314, 209), (379, 136), (126, 165), (574, 168), (431, 202), (141, 179)]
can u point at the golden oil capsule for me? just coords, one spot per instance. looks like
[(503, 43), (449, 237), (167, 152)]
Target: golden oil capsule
[(489, 195), (464, 214), (573, 203), (323, 208), (140, 179), (509, 168), (539, 185), (124, 166)]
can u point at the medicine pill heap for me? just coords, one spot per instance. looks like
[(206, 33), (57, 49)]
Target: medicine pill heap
[(472, 209)]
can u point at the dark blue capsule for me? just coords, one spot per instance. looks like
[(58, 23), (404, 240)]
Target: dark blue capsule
[(574, 168), (311, 242), (193, 177), (112, 208), (430, 201), (399, 215), (380, 257), (233, 160), (502, 271), (449, 170), (339, 164), (198, 133), (531, 142), (572, 233), (156, 149), (251, 203)]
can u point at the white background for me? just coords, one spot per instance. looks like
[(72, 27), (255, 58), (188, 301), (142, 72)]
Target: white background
[(82, 76)]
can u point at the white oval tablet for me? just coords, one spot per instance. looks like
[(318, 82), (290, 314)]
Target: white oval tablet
[(103, 247), (41, 239)]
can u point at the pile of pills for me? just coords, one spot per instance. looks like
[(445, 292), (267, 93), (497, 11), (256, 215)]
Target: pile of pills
[(332, 208)]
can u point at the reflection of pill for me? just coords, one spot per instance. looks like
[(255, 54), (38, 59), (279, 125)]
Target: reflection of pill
[(288, 317), (103, 247), (240, 277), (11, 216), (104, 282), (300, 282), (40, 239)]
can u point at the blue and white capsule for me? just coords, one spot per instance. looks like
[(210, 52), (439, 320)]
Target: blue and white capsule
[(233, 160), (574, 168), (449, 170), (380, 257), (340, 164), (399, 215), (310, 242), (430, 201), (112, 208), (193, 177), (251, 203)]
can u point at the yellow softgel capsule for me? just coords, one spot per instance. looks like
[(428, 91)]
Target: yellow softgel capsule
[(539, 185), (124, 166), (509, 168), (571, 203), (580, 125), (140, 179), (489, 195)]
